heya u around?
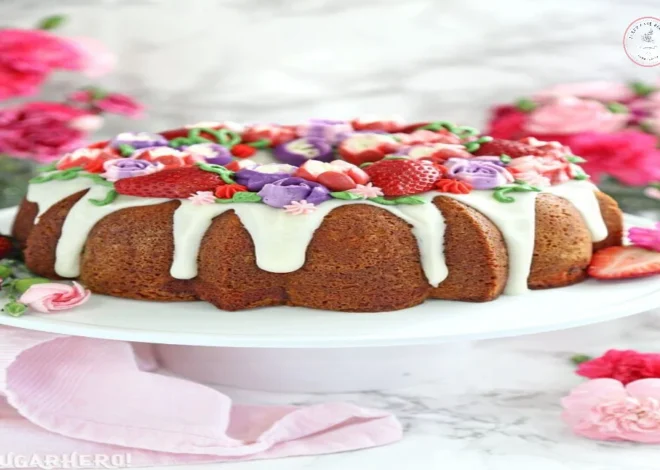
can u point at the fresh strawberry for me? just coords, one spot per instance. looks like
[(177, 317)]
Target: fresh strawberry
[(622, 262), (511, 148), (402, 177), (6, 247), (175, 183)]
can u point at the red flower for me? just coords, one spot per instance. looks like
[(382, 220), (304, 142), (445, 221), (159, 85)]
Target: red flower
[(507, 122), (227, 191), (243, 151), (629, 156), (453, 186), (88, 159), (624, 366)]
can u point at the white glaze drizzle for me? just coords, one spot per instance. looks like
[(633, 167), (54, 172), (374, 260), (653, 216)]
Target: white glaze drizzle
[(47, 194), (79, 222), (281, 239), (582, 194)]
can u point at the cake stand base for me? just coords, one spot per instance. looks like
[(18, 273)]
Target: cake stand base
[(330, 370)]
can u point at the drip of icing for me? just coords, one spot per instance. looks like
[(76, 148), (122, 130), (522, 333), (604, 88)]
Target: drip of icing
[(582, 194), (281, 239), (517, 223), (79, 222), (46, 195)]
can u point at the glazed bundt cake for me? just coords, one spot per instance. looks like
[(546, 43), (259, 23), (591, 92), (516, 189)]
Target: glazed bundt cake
[(359, 216)]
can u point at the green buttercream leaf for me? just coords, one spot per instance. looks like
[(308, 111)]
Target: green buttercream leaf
[(51, 22), (483, 139), (63, 175), (575, 159), (15, 309), (383, 201), (228, 138), (411, 200), (345, 195), (260, 144), (472, 147), (245, 196), (98, 179), (366, 164), (126, 150), (394, 157), (50, 167), (468, 131), (504, 158), (526, 105), (501, 193), (224, 173), (109, 198)]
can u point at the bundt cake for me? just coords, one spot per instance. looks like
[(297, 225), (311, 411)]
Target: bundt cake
[(359, 216)]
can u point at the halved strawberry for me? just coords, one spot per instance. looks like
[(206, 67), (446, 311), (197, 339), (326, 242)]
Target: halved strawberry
[(175, 183), (623, 262), (403, 177), (511, 148)]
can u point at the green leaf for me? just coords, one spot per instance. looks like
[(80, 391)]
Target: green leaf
[(224, 173), (580, 358), (260, 144), (64, 175), (245, 196), (617, 108), (126, 150), (366, 164), (483, 139), (22, 285), (227, 138), (410, 200), (97, 93), (642, 89), (501, 193), (526, 105), (472, 147), (98, 179), (345, 195), (51, 22), (504, 158), (15, 309), (383, 201), (50, 167), (109, 198), (575, 159), (5, 271)]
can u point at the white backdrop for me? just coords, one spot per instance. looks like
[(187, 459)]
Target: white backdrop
[(283, 60)]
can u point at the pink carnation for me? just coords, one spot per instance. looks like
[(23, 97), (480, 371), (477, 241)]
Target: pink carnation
[(53, 297), (573, 115), (27, 57), (629, 156), (624, 366), (606, 409), (42, 131)]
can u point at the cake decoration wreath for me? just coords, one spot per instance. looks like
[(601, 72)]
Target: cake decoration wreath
[(385, 162)]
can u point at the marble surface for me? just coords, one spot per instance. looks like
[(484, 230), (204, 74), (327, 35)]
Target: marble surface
[(497, 409), (286, 60)]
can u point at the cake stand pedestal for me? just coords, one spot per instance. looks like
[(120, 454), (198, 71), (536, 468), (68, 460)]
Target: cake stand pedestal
[(298, 349)]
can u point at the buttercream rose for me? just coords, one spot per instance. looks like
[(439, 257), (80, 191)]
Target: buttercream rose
[(52, 297), (285, 191), (121, 168), (573, 115), (255, 179), (480, 173), (554, 168)]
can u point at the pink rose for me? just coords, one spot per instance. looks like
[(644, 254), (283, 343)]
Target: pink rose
[(605, 409), (41, 131), (598, 90), (53, 297), (27, 57), (629, 156), (572, 116)]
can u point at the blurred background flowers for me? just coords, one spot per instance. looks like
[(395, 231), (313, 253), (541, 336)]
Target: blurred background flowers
[(33, 131)]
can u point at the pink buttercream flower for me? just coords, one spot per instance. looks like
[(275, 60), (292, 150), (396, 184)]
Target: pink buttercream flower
[(52, 297), (299, 208), (202, 198), (27, 57), (573, 115), (646, 238), (596, 90), (605, 409), (556, 169), (629, 156), (366, 191), (41, 131)]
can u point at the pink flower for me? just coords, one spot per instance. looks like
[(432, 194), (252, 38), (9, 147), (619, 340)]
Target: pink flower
[(41, 130), (90, 160), (114, 103), (95, 59), (624, 366), (605, 409), (597, 90), (646, 238), (573, 115), (629, 156), (202, 198), (556, 169), (507, 122), (366, 191), (52, 297), (299, 208), (27, 57)]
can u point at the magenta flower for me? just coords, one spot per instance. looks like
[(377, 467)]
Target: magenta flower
[(648, 238)]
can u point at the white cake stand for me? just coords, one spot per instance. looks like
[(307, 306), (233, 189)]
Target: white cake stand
[(298, 349)]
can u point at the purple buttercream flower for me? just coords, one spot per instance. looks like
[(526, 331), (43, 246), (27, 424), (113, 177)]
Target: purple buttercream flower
[(138, 140), (299, 151), (481, 173), (283, 192), (212, 153), (331, 131), (121, 168), (255, 179)]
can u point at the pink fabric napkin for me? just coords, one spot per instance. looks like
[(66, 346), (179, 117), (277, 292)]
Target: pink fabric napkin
[(65, 394)]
